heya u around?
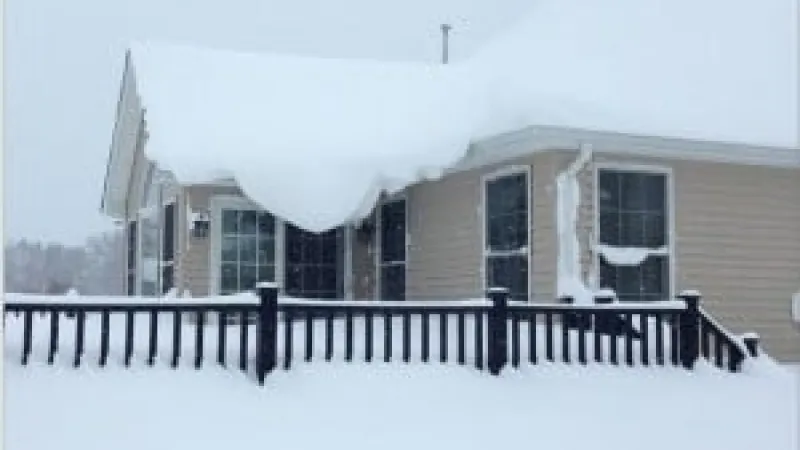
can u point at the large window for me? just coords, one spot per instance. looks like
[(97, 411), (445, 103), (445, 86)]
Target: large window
[(247, 253), (131, 265), (507, 233), (633, 213), (168, 249), (314, 263), (392, 259)]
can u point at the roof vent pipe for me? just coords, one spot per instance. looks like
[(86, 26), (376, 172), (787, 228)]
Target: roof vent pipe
[(445, 37)]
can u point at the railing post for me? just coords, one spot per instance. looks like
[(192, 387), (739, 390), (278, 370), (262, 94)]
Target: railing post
[(690, 329), (266, 330), (751, 343), (498, 330)]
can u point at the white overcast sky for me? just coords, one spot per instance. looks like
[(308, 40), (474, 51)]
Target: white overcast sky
[(63, 61)]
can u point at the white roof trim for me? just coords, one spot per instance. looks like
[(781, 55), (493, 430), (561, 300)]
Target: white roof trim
[(543, 138)]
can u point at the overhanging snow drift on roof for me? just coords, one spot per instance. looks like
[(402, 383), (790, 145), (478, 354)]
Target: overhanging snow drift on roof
[(315, 140)]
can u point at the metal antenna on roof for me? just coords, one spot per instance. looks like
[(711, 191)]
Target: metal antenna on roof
[(445, 38)]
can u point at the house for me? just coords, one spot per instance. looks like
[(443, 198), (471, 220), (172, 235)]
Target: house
[(221, 185)]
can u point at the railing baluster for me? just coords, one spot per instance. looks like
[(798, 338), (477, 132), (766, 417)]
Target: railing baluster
[(659, 339), (597, 336), (718, 357), (426, 339), (674, 339), (368, 332), (628, 339), (288, 333), (565, 347), (406, 336), (176, 338), (105, 318), (309, 324), (548, 330), (243, 339), (705, 337), (582, 337), (644, 343), (80, 328), (613, 341), (199, 328), (329, 335), (461, 339), (151, 354), (479, 340), (129, 323), (222, 337), (443, 317), (533, 330), (27, 336), (387, 336), (514, 340), (51, 353), (348, 336)]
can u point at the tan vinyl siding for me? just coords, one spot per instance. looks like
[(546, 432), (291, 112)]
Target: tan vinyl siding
[(737, 240), (194, 264)]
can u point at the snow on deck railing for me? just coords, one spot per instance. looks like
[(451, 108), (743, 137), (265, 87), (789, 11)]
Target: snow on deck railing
[(420, 303), (660, 305), (246, 297)]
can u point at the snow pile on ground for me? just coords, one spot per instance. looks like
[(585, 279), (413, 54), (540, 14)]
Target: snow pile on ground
[(349, 129), (367, 406)]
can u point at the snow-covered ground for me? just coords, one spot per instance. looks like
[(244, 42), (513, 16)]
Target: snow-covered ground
[(387, 406)]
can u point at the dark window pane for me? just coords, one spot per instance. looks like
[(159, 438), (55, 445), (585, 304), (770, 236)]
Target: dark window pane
[(166, 279), (168, 244), (656, 186), (247, 277), (520, 230), (247, 249), (229, 277), (632, 232), (393, 282), (608, 275), (266, 273), (266, 250), (393, 231), (131, 285), (294, 280), (266, 224), (628, 280), (510, 272), (247, 222), (655, 276), (230, 221), (506, 195), (654, 230), (328, 278), (609, 228), (230, 248), (633, 190), (608, 190)]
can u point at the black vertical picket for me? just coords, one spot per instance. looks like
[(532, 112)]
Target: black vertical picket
[(613, 342), (718, 351), (104, 335), (406, 336), (461, 338), (582, 338), (659, 339), (80, 331), (387, 336), (176, 337), (199, 329), (222, 335), (674, 339), (629, 340), (243, 339), (129, 323), (478, 317), (329, 336), (597, 336), (288, 334), (514, 340), (705, 342), (443, 337), (51, 353), (548, 331), (565, 347), (533, 330), (644, 343), (309, 323), (151, 353), (426, 337), (27, 336), (368, 332), (348, 336)]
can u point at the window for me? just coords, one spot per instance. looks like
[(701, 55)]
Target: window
[(507, 233), (131, 266), (168, 249), (392, 255), (247, 253), (314, 263), (633, 213)]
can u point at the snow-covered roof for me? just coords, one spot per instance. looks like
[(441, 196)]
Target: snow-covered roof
[(314, 140)]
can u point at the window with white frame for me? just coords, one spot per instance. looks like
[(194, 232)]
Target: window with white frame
[(507, 232), (392, 254), (634, 213), (247, 250)]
